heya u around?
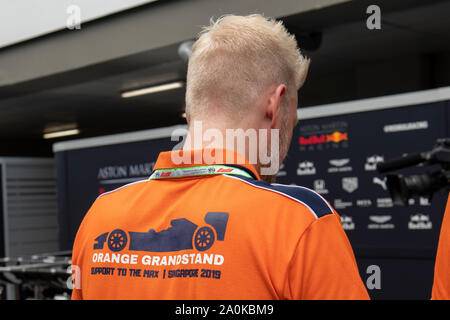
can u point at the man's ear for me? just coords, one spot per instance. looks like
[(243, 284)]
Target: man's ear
[(274, 104), (187, 115)]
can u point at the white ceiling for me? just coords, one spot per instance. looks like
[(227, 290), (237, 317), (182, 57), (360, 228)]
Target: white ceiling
[(27, 19)]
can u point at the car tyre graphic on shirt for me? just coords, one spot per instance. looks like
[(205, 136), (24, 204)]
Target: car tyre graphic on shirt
[(204, 238), (117, 240), (181, 235)]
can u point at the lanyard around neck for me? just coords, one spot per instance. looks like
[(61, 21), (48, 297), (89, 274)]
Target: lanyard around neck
[(208, 170)]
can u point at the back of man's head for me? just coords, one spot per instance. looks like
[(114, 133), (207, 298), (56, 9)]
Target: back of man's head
[(234, 60)]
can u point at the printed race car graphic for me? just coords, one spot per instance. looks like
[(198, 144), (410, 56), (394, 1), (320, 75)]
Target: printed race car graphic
[(182, 234)]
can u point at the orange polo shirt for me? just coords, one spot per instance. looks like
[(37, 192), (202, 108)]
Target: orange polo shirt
[(202, 231), (441, 284)]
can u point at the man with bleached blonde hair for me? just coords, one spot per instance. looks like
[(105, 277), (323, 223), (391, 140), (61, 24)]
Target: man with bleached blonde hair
[(237, 65), (205, 225)]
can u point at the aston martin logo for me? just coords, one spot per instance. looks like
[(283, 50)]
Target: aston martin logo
[(380, 219)]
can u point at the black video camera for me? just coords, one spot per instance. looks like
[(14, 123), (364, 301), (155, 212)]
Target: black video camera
[(403, 188)]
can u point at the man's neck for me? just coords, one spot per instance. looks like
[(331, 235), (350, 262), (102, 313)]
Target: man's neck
[(243, 141)]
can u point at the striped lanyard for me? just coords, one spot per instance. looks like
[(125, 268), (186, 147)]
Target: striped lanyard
[(198, 171)]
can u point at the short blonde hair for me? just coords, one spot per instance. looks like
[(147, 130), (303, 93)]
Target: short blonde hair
[(237, 57)]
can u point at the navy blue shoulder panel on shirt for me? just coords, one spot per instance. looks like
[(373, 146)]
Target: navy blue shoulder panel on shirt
[(307, 197)]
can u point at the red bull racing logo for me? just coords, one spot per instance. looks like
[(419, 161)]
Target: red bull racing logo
[(335, 137)]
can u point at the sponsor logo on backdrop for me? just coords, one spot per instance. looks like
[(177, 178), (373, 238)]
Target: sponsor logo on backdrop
[(324, 136), (335, 137), (384, 203), (347, 223), (282, 172), (339, 165), (408, 126), (340, 204), (372, 162), (380, 182), (380, 222), (350, 184), (363, 203), (339, 162), (114, 172), (424, 201), (419, 222), (319, 186), (124, 173), (306, 168), (315, 139)]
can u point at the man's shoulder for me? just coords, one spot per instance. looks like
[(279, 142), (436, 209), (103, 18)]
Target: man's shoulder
[(303, 196)]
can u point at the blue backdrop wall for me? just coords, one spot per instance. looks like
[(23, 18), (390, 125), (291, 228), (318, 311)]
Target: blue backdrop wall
[(334, 155)]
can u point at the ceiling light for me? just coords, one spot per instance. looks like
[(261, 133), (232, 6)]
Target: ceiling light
[(153, 89), (57, 134), (183, 115)]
